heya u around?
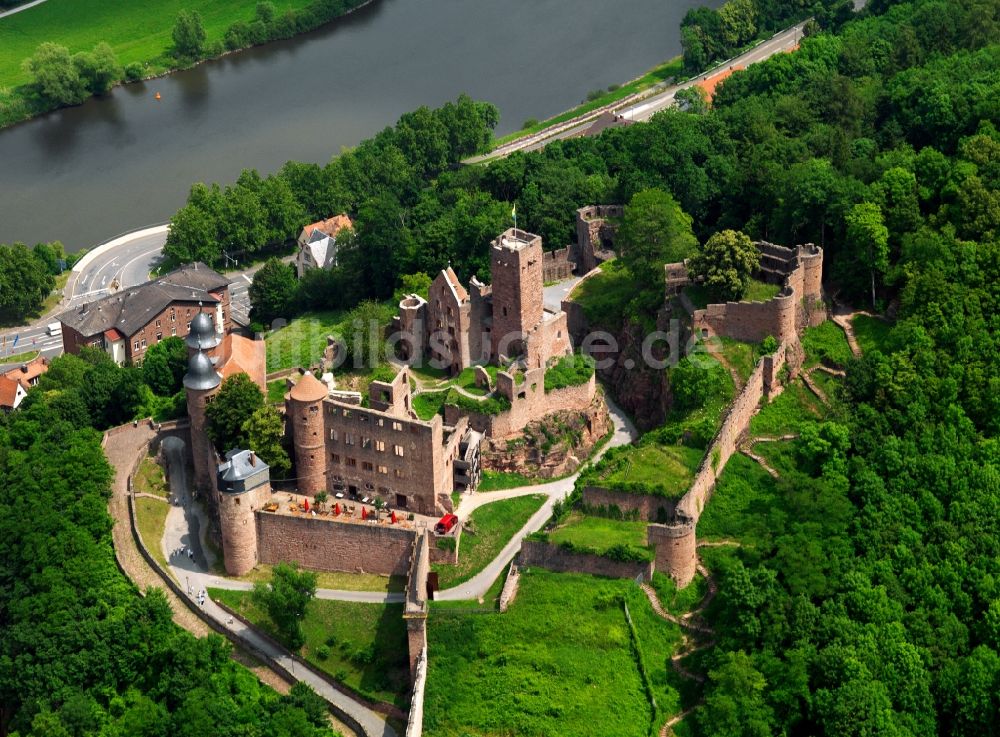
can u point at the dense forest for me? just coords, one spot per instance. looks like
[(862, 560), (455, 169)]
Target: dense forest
[(82, 652)]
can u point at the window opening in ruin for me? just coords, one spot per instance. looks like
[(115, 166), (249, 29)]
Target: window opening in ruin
[(401, 501)]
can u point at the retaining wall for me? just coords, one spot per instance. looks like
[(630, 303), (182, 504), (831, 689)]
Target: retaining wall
[(327, 545), (648, 506), (555, 558)]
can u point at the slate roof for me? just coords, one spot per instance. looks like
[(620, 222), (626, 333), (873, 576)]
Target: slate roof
[(238, 465), (131, 309)]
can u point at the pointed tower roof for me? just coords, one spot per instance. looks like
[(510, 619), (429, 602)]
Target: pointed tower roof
[(308, 389)]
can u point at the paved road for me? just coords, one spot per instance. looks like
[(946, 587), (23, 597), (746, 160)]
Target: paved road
[(477, 586), (186, 528), (784, 41)]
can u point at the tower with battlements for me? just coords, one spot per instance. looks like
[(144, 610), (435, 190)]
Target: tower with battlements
[(516, 271)]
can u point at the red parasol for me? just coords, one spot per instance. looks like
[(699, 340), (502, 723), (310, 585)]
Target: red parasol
[(393, 517), (336, 509), (364, 513), (307, 505)]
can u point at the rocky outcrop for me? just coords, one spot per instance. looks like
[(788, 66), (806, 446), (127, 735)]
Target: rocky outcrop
[(639, 389), (552, 446)]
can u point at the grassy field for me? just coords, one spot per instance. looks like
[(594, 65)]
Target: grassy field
[(361, 645), (746, 505), (741, 356), (872, 334), (336, 580), (657, 74), (670, 467), (795, 406), (560, 661), (151, 519), (302, 341), (428, 404), (497, 480), (149, 478), (599, 533), (826, 344), (489, 528), (758, 291), (138, 30), (604, 297)]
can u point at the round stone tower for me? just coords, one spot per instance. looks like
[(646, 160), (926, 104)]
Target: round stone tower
[(811, 259), (676, 550), (244, 487), (305, 417), (201, 382)]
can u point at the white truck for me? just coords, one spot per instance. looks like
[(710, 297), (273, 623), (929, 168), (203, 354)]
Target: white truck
[(53, 328)]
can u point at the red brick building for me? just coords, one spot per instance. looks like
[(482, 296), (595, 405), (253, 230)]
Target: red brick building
[(125, 324)]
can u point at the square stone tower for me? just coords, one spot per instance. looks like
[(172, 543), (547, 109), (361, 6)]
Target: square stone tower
[(516, 272)]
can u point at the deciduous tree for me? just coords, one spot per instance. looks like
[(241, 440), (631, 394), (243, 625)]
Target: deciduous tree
[(726, 263)]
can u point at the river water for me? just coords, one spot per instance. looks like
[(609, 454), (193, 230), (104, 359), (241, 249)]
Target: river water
[(83, 175)]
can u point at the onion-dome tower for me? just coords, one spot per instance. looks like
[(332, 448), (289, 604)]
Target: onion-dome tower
[(201, 382)]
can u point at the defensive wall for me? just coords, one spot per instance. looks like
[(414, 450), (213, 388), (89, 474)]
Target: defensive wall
[(798, 305), (328, 545), (555, 558), (525, 398), (417, 594)]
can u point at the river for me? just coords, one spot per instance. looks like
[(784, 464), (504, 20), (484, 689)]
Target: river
[(83, 175)]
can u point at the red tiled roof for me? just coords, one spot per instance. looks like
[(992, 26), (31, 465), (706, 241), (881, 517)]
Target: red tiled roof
[(113, 334), (28, 372), (330, 226), (8, 392), (246, 356)]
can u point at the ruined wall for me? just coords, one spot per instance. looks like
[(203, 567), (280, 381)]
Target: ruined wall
[(534, 405), (724, 444), (798, 305), (557, 265), (596, 228), (554, 558), (577, 434), (649, 507), (415, 607), (327, 545)]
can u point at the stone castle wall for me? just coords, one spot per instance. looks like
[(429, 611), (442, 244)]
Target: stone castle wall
[(797, 306), (596, 228), (327, 545), (557, 265), (525, 410), (649, 507), (554, 558), (734, 426)]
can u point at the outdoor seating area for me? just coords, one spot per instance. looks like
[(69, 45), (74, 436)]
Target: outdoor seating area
[(362, 510)]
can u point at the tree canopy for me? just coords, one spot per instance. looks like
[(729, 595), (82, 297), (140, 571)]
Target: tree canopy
[(727, 262)]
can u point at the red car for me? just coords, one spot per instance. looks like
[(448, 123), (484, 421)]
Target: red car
[(445, 524)]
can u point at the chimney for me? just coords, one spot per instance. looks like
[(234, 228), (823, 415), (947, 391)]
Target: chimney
[(253, 458), (83, 308)]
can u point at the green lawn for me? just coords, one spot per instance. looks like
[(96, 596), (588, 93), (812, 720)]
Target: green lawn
[(151, 519), (745, 505), (666, 470), (364, 644), (486, 532), (872, 333), (497, 480), (826, 344), (19, 357), (149, 478), (605, 297), (599, 533), (138, 30), (758, 291), (560, 661), (336, 580), (428, 404), (302, 341)]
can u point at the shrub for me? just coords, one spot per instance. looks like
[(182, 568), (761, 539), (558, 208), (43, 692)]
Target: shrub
[(493, 405), (134, 71), (322, 652)]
